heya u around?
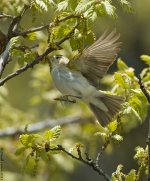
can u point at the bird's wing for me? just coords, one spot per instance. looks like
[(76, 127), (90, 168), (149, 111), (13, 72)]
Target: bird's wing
[(96, 59)]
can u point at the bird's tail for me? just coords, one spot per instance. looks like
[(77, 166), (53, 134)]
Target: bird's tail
[(105, 107)]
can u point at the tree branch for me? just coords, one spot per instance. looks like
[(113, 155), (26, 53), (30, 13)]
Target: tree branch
[(88, 161), (35, 29), (148, 144), (147, 95), (144, 90), (39, 126), (14, 26), (3, 15), (4, 58), (37, 59)]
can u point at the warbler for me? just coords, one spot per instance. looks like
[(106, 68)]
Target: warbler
[(91, 67)]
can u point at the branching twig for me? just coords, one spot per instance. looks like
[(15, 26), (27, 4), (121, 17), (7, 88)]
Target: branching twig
[(4, 58), (103, 148), (45, 26), (146, 92), (147, 95), (39, 126), (3, 15), (37, 59), (14, 26), (148, 144), (90, 162)]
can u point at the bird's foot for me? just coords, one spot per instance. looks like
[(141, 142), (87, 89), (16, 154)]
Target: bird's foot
[(68, 98)]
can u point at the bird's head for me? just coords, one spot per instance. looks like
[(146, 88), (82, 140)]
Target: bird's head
[(59, 60)]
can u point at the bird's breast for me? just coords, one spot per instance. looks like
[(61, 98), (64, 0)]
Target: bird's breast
[(72, 83), (62, 79)]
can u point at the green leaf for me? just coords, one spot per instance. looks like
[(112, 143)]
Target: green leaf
[(126, 5), (28, 140), (14, 41), (138, 101), (131, 175), (109, 8), (123, 80), (75, 147), (101, 134), (40, 5), (146, 59), (117, 137), (112, 126), (117, 176), (83, 6), (20, 150), (62, 6), (53, 134), (121, 65), (32, 36)]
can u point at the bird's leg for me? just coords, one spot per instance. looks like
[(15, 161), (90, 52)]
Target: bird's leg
[(66, 98)]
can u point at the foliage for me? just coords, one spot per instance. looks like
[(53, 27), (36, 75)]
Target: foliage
[(72, 21)]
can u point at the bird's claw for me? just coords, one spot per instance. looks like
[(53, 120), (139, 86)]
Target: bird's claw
[(65, 98)]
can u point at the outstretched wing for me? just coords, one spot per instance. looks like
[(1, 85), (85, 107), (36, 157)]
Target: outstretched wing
[(96, 59)]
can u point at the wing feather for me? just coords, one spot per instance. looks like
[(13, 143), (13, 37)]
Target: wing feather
[(96, 59)]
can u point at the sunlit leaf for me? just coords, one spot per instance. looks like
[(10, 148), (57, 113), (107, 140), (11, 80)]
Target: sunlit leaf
[(117, 137), (121, 65), (112, 126), (146, 59), (109, 8), (131, 176), (53, 134), (20, 150)]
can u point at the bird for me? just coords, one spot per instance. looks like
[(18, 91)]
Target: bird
[(82, 82)]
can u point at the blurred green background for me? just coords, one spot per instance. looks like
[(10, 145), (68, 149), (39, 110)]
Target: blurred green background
[(28, 102)]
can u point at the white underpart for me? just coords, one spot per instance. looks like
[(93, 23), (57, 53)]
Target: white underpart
[(73, 83)]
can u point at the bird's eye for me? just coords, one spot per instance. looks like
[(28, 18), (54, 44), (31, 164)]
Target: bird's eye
[(58, 57)]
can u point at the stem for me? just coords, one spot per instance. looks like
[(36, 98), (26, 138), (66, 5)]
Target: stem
[(148, 144), (90, 163)]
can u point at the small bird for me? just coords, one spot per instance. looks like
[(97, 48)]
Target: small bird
[(90, 67)]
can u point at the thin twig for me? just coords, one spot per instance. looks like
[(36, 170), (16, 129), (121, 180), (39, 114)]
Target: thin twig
[(103, 148), (90, 163), (3, 15), (147, 95), (144, 90), (11, 31), (14, 26), (39, 126), (148, 144), (37, 59), (49, 25), (4, 58)]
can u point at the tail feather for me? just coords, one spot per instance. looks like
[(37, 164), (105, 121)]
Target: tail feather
[(113, 104)]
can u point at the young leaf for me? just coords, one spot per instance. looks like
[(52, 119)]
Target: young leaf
[(131, 176), (62, 6), (126, 5), (109, 8), (146, 59), (40, 5), (123, 80), (121, 65), (117, 137), (101, 134), (83, 6), (53, 134), (28, 140), (20, 150), (112, 126)]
